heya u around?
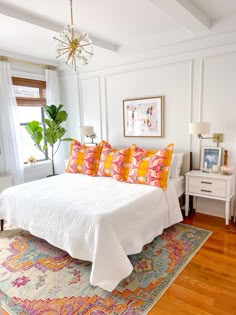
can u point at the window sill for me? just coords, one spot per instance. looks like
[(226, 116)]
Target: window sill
[(40, 164), (37, 171)]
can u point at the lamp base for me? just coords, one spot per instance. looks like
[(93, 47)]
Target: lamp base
[(217, 137)]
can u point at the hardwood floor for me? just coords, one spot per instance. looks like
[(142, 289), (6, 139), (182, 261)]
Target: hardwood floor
[(207, 285)]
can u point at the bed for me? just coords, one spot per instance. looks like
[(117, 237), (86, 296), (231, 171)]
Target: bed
[(103, 222), (179, 185)]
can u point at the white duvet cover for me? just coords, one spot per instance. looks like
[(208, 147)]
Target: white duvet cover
[(93, 218)]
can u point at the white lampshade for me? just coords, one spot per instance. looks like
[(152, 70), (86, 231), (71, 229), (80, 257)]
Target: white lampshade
[(86, 131), (199, 128)]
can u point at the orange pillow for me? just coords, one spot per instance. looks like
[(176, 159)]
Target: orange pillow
[(85, 159), (150, 167), (75, 147), (114, 163)]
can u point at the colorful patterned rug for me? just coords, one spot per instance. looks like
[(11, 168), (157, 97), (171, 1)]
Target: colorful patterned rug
[(37, 278)]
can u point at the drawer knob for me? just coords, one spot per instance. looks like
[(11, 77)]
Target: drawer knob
[(206, 182), (206, 190)]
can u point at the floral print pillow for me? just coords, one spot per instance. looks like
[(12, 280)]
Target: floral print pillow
[(150, 167), (115, 163), (75, 148), (84, 159)]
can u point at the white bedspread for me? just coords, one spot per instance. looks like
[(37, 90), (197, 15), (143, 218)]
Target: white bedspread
[(93, 218)]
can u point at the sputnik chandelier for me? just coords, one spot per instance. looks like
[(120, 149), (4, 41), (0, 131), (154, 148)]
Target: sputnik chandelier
[(75, 49)]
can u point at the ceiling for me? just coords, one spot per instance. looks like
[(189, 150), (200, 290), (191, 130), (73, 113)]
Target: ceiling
[(115, 26)]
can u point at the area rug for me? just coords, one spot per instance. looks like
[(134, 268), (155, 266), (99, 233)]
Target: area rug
[(37, 278)]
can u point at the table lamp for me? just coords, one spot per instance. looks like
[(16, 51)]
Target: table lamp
[(88, 131)]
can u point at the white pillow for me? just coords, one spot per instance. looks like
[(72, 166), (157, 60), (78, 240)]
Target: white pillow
[(176, 164)]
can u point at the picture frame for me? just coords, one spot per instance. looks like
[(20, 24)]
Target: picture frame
[(210, 156), (143, 117)]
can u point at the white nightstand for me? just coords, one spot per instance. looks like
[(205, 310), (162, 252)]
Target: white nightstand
[(209, 185), (5, 182)]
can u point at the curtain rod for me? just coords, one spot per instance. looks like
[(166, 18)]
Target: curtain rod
[(4, 58)]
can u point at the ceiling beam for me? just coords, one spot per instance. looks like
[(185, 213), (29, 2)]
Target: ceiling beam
[(28, 17), (188, 15)]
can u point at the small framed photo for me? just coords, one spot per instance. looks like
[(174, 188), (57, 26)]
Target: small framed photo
[(210, 156), (143, 117)]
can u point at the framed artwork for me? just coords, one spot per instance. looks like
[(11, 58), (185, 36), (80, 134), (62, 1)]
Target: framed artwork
[(210, 156), (143, 117)]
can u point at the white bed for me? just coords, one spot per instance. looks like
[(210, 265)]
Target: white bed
[(179, 185), (93, 218)]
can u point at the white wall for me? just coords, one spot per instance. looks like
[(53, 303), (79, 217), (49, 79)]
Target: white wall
[(69, 97), (197, 85), (151, 81)]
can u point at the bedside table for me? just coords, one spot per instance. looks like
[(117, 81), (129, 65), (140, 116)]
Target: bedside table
[(5, 182), (212, 186)]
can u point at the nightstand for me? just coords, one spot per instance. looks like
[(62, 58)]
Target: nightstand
[(209, 185), (5, 182)]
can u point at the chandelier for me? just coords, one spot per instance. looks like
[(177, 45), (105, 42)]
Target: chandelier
[(75, 49)]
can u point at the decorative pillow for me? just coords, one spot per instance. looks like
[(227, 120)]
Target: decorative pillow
[(150, 167), (85, 159), (176, 164), (114, 163), (75, 147)]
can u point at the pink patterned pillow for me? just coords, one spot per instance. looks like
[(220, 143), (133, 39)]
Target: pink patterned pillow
[(75, 147), (114, 163), (91, 159), (150, 167), (85, 159)]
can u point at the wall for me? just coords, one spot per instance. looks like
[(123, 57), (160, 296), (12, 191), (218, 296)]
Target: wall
[(69, 97), (198, 84)]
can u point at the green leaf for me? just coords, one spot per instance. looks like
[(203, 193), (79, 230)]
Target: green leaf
[(35, 131), (60, 133), (38, 136), (48, 122), (51, 111), (61, 117), (50, 136), (33, 126), (44, 148), (59, 107)]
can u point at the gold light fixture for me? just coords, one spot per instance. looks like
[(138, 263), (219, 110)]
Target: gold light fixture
[(200, 128), (75, 49)]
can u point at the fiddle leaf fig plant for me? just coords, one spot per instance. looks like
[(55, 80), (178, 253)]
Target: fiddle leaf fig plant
[(54, 132)]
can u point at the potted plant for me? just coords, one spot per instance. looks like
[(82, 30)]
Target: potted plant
[(53, 135)]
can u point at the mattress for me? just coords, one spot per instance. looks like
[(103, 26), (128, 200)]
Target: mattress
[(179, 185), (93, 218)]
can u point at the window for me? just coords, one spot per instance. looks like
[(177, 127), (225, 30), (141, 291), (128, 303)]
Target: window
[(30, 97)]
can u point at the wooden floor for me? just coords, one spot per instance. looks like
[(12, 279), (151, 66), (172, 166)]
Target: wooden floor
[(207, 285)]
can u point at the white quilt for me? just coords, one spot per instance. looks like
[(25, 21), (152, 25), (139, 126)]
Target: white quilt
[(93, 218)]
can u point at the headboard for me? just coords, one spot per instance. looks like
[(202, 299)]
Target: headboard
[(187, 163)]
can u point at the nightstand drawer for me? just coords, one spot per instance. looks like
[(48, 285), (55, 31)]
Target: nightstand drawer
[(204, 186)]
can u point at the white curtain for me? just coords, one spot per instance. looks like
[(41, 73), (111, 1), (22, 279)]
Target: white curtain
[(10, 126), (53, 97)]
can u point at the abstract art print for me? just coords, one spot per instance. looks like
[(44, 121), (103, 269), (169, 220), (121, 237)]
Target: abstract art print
[(143, 117)]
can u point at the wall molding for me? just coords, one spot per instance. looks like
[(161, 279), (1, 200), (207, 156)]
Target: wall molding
[(191, 102), (82, 81), (193, 46), (195, 89)]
